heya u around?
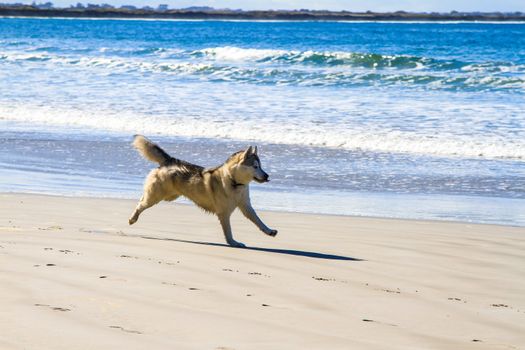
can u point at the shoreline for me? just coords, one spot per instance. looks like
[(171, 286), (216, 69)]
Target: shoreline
[(186, 203), (75, 273), (260, 205)]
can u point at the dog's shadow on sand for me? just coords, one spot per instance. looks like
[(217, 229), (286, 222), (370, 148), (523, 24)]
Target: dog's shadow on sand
[(268, 250)]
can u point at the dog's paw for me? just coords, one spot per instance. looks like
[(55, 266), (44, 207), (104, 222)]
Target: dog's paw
[(131, 221), (272, 233), (236, 244)]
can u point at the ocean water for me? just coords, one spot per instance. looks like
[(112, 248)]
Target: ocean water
[(408, 120)]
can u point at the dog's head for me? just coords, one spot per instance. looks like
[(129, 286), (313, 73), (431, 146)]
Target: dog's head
[(247, 167)]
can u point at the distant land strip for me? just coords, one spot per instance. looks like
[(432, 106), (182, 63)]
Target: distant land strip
[(277, 15)]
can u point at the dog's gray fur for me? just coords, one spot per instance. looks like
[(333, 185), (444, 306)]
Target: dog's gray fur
[(218, 190)]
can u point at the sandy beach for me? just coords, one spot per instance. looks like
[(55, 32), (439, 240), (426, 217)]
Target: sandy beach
[(74, 275)]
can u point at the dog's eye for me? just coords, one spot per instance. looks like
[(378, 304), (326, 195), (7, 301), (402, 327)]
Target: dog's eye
[(256, 166)]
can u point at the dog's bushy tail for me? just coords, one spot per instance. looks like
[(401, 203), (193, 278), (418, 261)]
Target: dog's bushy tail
[(150, 150)]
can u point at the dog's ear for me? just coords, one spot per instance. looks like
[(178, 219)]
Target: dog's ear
[(248, 152), (255, 150)]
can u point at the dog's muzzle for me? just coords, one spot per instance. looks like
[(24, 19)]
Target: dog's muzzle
[(265, 179)]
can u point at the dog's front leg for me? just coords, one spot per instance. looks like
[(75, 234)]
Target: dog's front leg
[(227, 229), (250, 213)]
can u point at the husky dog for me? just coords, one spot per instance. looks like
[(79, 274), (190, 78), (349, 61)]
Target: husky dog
[(219, 190)]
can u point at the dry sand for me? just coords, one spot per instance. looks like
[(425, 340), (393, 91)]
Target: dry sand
[(74, 275)]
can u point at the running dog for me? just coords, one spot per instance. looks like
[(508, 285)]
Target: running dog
[(219, 190)]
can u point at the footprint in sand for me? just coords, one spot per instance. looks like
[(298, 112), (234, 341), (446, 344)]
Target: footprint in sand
[(67, 251), (51, 228), (322, 279), (55, 308), (258, 274), (169, 283), (125, 330), (388, 324), (128, 256), (391, 291), (458, 299), (60, 309), (499, 305)]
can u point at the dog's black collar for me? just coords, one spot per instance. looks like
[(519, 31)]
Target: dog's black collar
[(234, 183)]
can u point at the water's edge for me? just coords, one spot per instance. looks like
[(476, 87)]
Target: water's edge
[(439, 208)]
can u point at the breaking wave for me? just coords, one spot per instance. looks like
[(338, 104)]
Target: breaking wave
[(282, 67), (353, 59)]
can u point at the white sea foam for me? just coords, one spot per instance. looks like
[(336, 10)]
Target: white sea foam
[(232, 54), (239, 54), (253, 130)]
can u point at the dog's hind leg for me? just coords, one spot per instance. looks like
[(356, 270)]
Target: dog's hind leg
[(145, 202), (227, 229), (154, 192)]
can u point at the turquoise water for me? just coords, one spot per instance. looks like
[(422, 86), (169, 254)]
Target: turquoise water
[(416, 120)]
